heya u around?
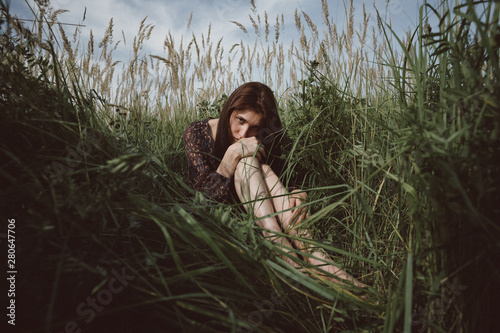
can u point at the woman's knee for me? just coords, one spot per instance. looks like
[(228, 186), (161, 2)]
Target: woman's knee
[(245, 167)]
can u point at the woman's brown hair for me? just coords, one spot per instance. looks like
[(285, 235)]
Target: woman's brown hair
[(259, 98)]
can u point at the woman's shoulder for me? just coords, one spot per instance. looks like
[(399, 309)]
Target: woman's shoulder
[(197, 130), (197, 126), (199, 123)]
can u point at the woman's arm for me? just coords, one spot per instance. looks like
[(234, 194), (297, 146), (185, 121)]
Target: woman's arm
[(201, 174), (228, 164), (246, 147)]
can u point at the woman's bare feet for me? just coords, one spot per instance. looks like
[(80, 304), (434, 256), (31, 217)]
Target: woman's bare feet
[(319, 259)]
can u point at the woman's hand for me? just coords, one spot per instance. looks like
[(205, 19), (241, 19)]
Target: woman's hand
[(248, 147), (296, 199)]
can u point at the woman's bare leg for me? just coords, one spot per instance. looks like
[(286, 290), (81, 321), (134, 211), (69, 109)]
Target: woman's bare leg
[(280, 197), (251, 189)]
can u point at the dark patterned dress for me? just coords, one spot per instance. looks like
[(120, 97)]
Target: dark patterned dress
[(202, 166)]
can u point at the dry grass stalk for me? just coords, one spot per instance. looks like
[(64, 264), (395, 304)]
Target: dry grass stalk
[(350, 30), (311, 25), (189, 21), (241, 26), (209, 32), (108, 35), (187, 66), (277, 29), (298, 24), (364, 26), (255, 26), (267, 26), (233, 47)]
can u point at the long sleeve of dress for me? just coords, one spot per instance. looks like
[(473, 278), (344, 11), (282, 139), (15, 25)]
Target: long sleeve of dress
[(202, 166)]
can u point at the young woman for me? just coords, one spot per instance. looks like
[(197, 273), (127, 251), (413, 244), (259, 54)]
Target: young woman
[(237, 157)]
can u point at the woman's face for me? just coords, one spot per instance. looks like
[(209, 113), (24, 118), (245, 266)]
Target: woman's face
[(245, 124)]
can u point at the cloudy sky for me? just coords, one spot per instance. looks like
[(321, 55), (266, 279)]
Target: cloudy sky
[(173, 15)]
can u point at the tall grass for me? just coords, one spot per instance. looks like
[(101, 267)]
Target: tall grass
[(395, 148)]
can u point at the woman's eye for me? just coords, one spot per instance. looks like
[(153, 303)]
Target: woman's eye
[(241, 120)]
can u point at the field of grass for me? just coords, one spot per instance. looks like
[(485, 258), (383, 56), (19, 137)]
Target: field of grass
[(394, 137)]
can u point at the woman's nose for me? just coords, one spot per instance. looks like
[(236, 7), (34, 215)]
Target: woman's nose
[(244, 131)]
